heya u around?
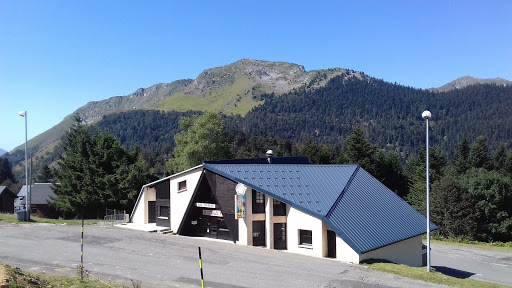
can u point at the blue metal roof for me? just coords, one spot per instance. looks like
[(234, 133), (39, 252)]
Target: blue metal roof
[(358, 207), (274, 160)]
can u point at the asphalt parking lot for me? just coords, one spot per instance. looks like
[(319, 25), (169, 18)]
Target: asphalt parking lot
[(163, 260)]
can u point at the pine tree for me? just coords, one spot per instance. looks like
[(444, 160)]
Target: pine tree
[(95, 173), (461, 161), (416, 173), (479, 155), (359, 151), (6, 171), (500, 159), (453, 209), (45, 175)]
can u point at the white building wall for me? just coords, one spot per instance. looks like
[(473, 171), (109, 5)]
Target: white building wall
[(139, 210), (179, 200), (298, 220), (269, 225), (408, 252), (344, 252)]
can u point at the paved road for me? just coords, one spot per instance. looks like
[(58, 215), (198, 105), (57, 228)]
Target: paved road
[(478, 264), (157, 260)]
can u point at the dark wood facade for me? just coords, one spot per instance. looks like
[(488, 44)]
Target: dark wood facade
[(163, 204), (219, 191)]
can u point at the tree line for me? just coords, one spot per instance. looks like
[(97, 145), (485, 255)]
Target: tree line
[(388, 114), (471, 195)]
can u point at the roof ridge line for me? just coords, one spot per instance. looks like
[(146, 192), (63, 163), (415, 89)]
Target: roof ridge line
[(328, 215)]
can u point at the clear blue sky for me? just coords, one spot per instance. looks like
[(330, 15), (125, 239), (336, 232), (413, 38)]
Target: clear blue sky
[(55, 56)]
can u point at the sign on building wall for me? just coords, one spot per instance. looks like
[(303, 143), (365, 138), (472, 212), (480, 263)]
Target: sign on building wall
[(205, 205), (215, 213), (240, 201), (239, 206)]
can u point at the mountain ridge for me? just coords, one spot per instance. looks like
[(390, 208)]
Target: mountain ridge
[(205, 93), (233, 89), (465, 81)]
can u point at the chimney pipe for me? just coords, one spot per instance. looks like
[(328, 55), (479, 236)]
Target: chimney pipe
[(270, 153)]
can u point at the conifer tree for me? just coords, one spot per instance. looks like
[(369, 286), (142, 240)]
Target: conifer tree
[(416, 173), (359, 151), (95, 173), (45, 175), (500, 159), (6, 171), (453, 209), (461, 162), (479, 155)]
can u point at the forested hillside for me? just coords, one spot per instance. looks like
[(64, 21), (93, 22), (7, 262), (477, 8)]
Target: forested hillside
[(151, 130), (388, 114)]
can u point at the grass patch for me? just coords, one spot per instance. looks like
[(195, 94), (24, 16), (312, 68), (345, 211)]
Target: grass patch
[(496, 246), (14, 277), (13, 218), (235, 98), (420, 273)]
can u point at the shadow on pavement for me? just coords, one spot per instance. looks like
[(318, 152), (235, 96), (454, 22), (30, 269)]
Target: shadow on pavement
[(453, 272)]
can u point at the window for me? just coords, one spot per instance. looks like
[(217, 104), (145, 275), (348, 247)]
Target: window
[(163, 211), (279, 208), (305, 237), (182, 186), (258, 202)]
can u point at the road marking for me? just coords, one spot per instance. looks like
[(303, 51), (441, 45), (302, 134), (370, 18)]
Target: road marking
[(499, 264)]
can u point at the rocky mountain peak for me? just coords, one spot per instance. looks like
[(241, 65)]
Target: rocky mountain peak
[(465, 81)]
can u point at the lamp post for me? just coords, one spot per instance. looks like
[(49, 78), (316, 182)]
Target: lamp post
[(24, 115), (427, 115)]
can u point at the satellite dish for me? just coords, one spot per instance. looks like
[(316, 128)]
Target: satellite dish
[(240, 189)]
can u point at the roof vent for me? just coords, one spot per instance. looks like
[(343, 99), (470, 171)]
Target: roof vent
[(270, 153)]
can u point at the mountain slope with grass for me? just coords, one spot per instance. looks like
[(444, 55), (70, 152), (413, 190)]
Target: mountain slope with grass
[(285, 100), (234, 89)]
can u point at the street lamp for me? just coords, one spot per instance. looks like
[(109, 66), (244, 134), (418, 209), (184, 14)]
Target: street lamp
[(427, 115), (24, 115)]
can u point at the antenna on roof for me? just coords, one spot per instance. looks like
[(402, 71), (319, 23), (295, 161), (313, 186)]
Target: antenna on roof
[(270, 153)]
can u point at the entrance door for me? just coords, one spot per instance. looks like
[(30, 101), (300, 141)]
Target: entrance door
[(280, 236), (331, 244), (151, 211), (213, 227), (258, 233)]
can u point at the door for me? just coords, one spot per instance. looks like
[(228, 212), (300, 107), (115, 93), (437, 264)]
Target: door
[(280, 236), (213, 227), (258, 233), (151, 211), (331, 244)]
